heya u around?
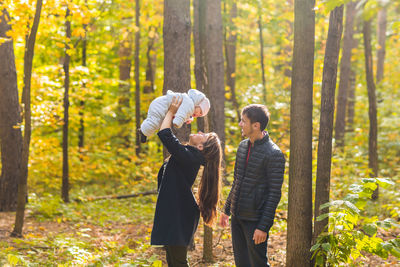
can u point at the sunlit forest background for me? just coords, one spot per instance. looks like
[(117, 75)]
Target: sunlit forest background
[(104, 157)]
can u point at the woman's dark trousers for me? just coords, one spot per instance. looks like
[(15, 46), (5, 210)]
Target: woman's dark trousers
[(246, 253), (176, 256)]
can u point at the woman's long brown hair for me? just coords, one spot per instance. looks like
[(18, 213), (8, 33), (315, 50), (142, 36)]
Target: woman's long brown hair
[(209, 188)]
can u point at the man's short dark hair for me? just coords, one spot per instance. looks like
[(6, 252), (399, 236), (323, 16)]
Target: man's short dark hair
[(257, 113)]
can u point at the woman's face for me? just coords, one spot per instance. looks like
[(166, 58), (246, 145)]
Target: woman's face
[(198, 140)]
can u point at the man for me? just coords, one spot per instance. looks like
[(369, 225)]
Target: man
[(256, 189)]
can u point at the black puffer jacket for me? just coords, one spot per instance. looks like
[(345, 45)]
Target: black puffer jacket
[(256, 188)]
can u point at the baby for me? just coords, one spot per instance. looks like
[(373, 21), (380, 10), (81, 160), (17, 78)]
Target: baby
[(194, 104)]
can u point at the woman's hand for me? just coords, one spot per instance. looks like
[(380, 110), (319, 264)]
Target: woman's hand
[(173, 108), (175, 104)]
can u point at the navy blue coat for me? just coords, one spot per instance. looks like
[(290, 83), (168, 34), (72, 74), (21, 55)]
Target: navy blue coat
[(177, 213)]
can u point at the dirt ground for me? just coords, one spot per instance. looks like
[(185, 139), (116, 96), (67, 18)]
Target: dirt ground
[(125, 233)]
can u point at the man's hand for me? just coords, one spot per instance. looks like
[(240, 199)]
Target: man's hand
[(175, 104), (224, 219), (259, 236)]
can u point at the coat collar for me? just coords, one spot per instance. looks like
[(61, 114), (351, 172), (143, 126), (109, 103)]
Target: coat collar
[(259, 141)]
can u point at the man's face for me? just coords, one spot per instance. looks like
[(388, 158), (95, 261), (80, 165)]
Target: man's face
[(197, 140), (246, 126)]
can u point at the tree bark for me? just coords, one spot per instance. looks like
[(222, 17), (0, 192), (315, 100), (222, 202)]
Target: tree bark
[(176, 34), (324, 159), (209, 72), (65, 177), (26, 92), (214, 63), (230, 55), (351, 102), (124, 108), (81, 131), (345, 68), (372, 111), (299, 233), (260, 29), (382, 14), (10, 118), (199, 54), (151, 63), (137, 76)]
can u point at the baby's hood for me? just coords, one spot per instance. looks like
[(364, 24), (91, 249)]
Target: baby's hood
[(196, 96)]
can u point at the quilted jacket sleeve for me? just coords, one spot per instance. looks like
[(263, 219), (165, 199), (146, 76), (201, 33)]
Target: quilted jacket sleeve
[(227, 206), (275, 168)]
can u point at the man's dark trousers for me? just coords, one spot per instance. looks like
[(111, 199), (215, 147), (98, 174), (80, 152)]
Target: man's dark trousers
[(246, 252)]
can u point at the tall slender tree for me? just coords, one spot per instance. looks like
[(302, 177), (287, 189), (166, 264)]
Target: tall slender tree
[(65, 174), (230, 56), (351, 102), (81, 131), (372, 110), (10, 119), (137, 75), (26, 98), (345, 66), (209, 72), (299, 233), (324, 159), (199, 38), (124, 88), (151, 57), (260, 31), (381, 32)]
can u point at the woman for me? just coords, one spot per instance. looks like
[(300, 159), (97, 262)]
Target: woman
[(177, 212)]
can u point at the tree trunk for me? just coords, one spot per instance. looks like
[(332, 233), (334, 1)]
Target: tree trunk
[(345, 68), (230, 55), (81, 131), (214, 62), (137, 77), (382, 14), (151, 63), (299, 232), (124, 109), (372, 111), (209, 72), (324, 159), (65, 177), (260, 30), (351, 102), (26, 92), (199, 56), (10, 118), (208, 244), (176, 33)]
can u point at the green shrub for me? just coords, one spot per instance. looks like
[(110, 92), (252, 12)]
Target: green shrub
[(350, 232)]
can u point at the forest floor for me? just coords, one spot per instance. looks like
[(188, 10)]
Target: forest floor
[(67, 243)]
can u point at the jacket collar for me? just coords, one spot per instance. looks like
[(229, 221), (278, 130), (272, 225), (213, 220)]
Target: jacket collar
[(260, 141)]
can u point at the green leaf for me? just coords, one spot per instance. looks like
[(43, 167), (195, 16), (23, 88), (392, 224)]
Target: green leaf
[(322, 217), (12, 259), (384, 182), (368, 180), (395, 252), (315, 247), (326, 246), (387, 246), (352, 207), (370, 229)]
